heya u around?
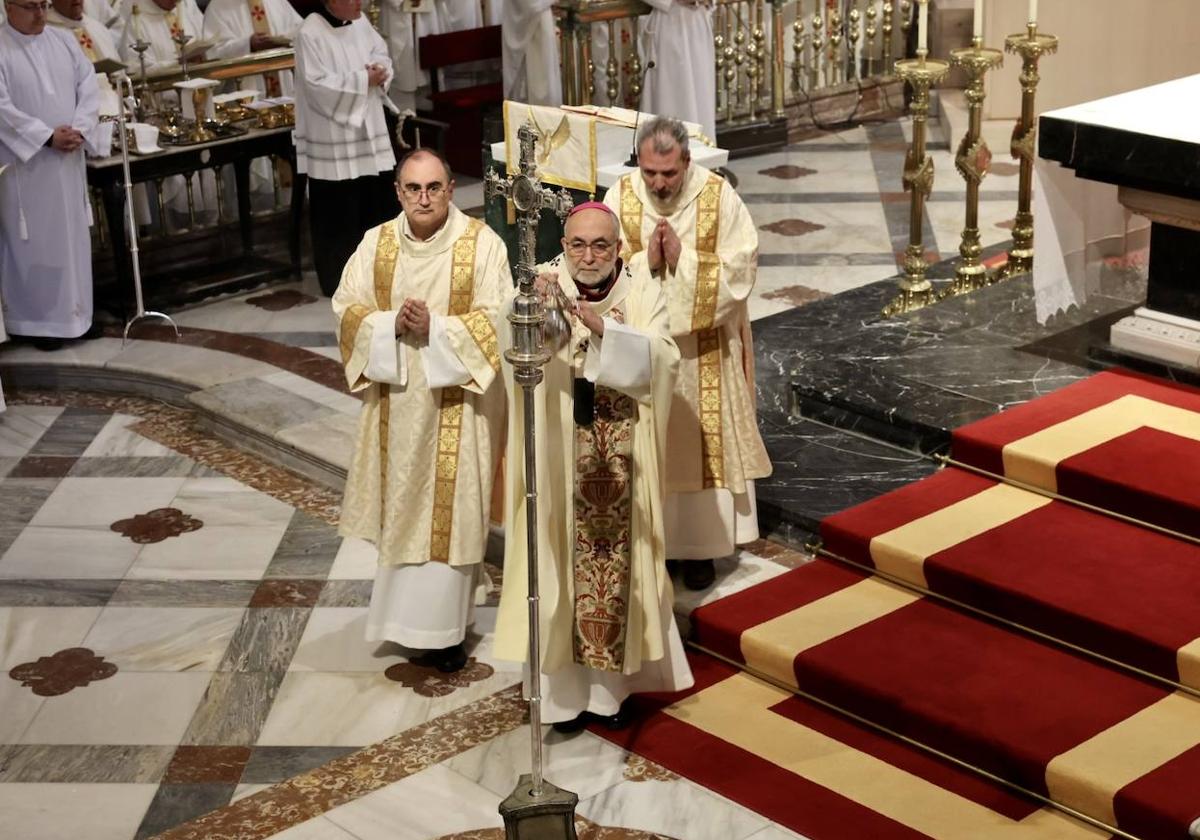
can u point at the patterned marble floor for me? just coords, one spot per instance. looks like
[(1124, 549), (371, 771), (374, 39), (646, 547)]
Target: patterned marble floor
[(181, 628)]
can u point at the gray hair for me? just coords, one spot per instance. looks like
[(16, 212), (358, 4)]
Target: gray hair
[(665, 133)]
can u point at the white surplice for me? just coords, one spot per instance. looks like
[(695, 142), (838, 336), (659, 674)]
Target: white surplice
[(340, 130), (636, 357), (45, 246), (531, 69), (683, 82)]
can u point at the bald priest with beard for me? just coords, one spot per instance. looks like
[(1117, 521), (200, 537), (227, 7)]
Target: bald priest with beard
[(608, 629)]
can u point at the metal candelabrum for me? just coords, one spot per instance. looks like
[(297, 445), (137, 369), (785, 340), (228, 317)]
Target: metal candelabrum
[(921, 74), (972, 162), (1031, 45)]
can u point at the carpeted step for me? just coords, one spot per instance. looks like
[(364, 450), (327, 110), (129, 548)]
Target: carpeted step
[(1118, 440), (1113, 746), (818, 773), (1119, 590)]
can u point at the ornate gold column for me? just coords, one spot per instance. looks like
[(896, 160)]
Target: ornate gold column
[(798, 62), (777, 64), (1031, 46)]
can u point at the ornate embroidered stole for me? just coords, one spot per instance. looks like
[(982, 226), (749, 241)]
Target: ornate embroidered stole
[(173, 23), (262, 26), (704, 309), (450, 415), (603, 507), (386, 250), (85, 43)]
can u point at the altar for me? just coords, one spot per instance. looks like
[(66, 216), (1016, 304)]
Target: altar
[(1147, 143)]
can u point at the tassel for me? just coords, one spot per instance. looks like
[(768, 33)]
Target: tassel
[(21, 226)]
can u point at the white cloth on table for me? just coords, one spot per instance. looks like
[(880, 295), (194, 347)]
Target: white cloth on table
[(708, 524), (45, 245), (340, 130), (427, 606), (683, 82), (530, 56)]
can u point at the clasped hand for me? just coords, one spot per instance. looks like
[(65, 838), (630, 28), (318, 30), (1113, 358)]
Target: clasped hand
[(413, 318), (664, 247), (66, 139), (376, 75)]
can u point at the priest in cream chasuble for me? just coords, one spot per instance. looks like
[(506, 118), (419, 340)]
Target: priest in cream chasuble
[(607, 626), (688, 227), (416, 311)]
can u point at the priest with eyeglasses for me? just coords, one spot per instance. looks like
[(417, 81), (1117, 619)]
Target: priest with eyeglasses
[(607, 625), (48, 117)]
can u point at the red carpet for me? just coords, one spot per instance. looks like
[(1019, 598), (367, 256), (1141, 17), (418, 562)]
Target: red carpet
[(1082, 729)]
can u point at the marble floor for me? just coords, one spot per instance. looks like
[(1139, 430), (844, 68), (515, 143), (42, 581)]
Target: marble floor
[(181, 627)]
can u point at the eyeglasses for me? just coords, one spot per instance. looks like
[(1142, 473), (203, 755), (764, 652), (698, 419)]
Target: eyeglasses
[(414, 191), (599, 248), (31, 7)]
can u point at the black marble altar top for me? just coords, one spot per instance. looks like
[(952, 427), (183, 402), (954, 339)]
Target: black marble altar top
[(1148, 138)]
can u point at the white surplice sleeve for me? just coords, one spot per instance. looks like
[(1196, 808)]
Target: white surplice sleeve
[(86, 119), (225, 24), (23, 134), (386, 360), (339, 94), (620, 359), (443, 368)]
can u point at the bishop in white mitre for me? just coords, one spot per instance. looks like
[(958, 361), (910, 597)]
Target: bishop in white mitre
[(97, 44), (691, 230), (416, 310), (678, 38), (530, 53), (48, 118), (607, 624)]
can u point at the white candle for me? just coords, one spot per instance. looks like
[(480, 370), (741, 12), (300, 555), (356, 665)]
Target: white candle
[(977, 29), (1032, 11), (923, 26)]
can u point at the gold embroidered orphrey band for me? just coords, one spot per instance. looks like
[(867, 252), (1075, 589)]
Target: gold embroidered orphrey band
[(262, 26), (603, 512), (708, 337), (704, 310), (386, 250), (450, 415)]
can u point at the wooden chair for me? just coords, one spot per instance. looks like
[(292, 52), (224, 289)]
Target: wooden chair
[(462, 108)]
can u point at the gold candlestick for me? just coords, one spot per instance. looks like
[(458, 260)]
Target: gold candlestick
[(972, 162), (1031, 45), (916, 291)]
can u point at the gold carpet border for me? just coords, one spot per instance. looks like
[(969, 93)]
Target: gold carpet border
[(386, 249), (450, 415), (1166, 682), (912, 742)]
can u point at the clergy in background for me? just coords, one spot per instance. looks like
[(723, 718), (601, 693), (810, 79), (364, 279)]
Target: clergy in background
[(48, 116), (97, 44), (678, 38), (688, 227), (158, 22), (405, 23), (530, 52), (607, 626), (341, 136), (242, 27), (416, 313)]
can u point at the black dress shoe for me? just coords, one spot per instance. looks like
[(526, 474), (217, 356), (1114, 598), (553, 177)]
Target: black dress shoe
[(699, 574), (620, 720), (448, 660), (575, 724), (613, 722), (46, 343)]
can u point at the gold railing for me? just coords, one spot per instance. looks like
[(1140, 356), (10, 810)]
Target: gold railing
[(768, 54)]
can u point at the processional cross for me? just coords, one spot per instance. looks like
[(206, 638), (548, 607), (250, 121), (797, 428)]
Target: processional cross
[(536, 809)]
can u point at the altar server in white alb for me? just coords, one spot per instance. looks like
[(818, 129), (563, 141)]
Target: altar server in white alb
[(678, 38), (607, 625), (692, 231), (341, 136), (242, 27), (416, 310), (48, 117), (530, 53), (97, 44)]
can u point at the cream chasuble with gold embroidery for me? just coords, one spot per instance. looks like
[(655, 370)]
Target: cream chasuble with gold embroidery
[(607, 623), (715, 443), (420, 479)]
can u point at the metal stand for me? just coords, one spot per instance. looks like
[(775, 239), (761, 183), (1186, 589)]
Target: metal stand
[(123, 78), (972, 162), (536, 809), (1031, 46), (916, 291)]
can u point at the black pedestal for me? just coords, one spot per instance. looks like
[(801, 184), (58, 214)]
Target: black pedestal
[(1174, 271)]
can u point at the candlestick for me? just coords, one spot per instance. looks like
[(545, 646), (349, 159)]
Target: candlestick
[(972, 162), (1033, 11), (1031, 46), (977, 23), (916, 291), (923, 27)]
